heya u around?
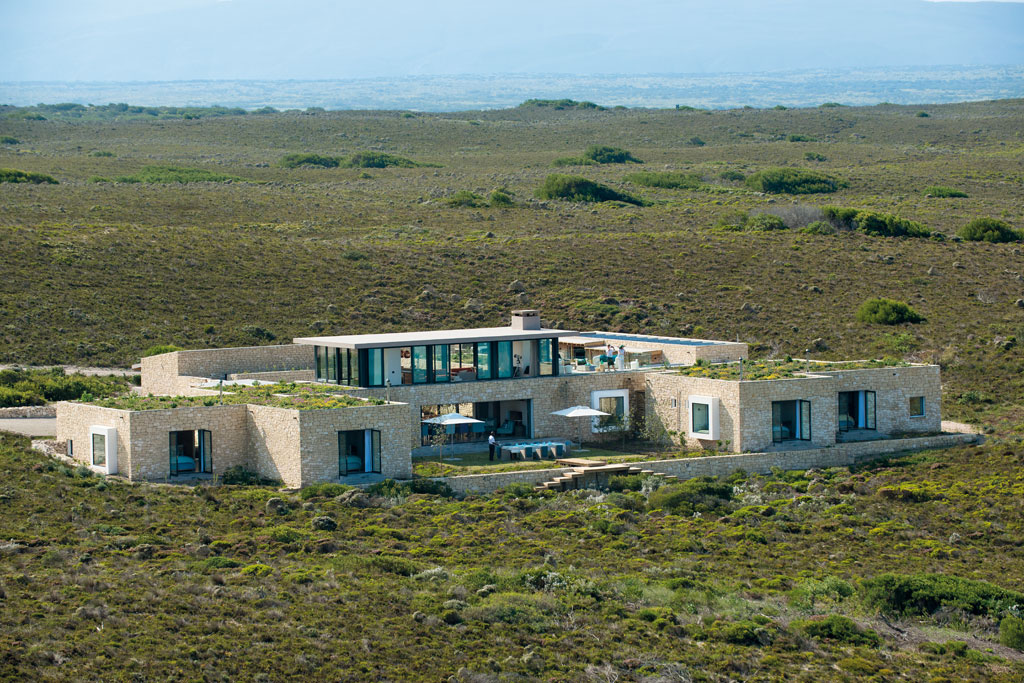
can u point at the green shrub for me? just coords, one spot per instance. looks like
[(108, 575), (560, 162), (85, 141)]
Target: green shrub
[(793, 181), (499, 199), (159, 349), (241, 476), (610, 155), (296, 160), (175, 174), (219, 562), (765, 221), (988, 230), (701, 494), (922, 114), (579, 189), (378, 160), (395, 565), (1011, 632), (562, 104), (840, 629), (695, 142), (887, 225), (465, 198), (842, 217), (285, 534), (101, 153), (257, 570), (801, 138), (818, 228), (743, 632), (389, 488), (518, 489), (11, 175), (734, 176), (573, 161), (325, 489), (625, 482), (668, 179), (887, 312), (939, 191), (8, 140), (926, 593), (815, 156)]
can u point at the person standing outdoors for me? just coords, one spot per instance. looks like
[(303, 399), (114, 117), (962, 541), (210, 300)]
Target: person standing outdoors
[(492, 445)]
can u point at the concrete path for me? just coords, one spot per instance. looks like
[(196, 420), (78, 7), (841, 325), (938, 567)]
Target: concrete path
[(30, 426)]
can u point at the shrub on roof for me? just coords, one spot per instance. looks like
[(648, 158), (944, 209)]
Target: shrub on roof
[(159, 349)]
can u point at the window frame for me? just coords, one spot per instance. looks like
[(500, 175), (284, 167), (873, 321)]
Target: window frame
[(910, 406)]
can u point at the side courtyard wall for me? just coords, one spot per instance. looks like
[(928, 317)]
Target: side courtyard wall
[(319, 440)]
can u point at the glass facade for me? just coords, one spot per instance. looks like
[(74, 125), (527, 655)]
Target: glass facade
[(437, 363)]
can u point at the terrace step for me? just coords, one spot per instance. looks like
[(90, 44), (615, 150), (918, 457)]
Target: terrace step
[(589, 477)]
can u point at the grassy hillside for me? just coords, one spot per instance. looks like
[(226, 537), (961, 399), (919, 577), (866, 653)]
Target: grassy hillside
[(95, 272), (774, 576)]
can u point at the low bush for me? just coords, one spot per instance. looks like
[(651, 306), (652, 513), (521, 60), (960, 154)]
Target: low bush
[(701, 494), (793, 181), (925, 593), (175, 174), (579, 189), (389, 488), (219, 562), (285, 534), (395, 565), (872, 223), (801, 138), (12, 175), (241, 476), (672, 180), (939, 191), (1011, 632), (159, 349), (562, 104), (819, 228), (39, 386), (465, 198), (839, 629), (378, 160), (8, 140), (500, 199), (887, 312), (296, 160), (602, 154), (765, 221), (325, 489), (815, 156), (572, 161), (257, 570), (989, 230), (733, 176)]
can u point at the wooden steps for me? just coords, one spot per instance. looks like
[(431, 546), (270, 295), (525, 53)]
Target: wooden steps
[(597, 476)]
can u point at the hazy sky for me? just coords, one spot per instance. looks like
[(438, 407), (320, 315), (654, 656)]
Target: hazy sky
[(103, 40)]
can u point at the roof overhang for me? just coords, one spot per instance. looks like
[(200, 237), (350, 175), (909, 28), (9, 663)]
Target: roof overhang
[(397, 339)]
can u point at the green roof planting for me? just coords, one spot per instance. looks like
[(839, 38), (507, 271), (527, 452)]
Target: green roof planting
[(281, 395), (783, 369)]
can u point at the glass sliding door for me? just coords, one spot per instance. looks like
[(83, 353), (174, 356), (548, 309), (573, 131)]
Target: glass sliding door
[(463, 366), (318, 355), (856, 410), (331, 373), (791, 421), (441, 367), (545, 357), (351, 452), (374, 450), (419, 364), (483, 360), (504, 359), (375, 367)]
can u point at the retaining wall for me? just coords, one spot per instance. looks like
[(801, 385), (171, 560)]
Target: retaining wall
[(841, 455)]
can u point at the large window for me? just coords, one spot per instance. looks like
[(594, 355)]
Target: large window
[(791, 421), (917, 406), (358, 451), (375, 367), (545, 356), (331, 363), (463, 362), (419, 364), (191, 452), (441, 373), (484, 368), (856, 410), (99, 450), (615, 402), (701, 419), (504, 359)]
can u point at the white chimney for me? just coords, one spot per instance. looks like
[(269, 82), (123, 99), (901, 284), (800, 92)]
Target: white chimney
[(526, 319)]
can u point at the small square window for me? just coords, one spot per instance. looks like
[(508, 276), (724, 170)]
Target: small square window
[(917, 406), (675, 403)]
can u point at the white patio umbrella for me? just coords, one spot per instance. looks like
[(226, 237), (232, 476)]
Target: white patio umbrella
[(449, 419), (580, 411)]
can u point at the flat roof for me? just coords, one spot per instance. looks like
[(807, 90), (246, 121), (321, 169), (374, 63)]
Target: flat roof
[(650, 339), (394, 339)]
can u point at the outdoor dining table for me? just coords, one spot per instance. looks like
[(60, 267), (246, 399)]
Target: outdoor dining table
[(518, 450)]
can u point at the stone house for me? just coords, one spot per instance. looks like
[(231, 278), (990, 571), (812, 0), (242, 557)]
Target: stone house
[(511, 379)]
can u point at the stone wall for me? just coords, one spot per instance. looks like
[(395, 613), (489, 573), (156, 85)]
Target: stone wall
[(173, 373), (319, 440), (720, 353), (29, 411), (841, 455), (750, 428), (73, 422), (149, 430), (547, 393), (274, 443)]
